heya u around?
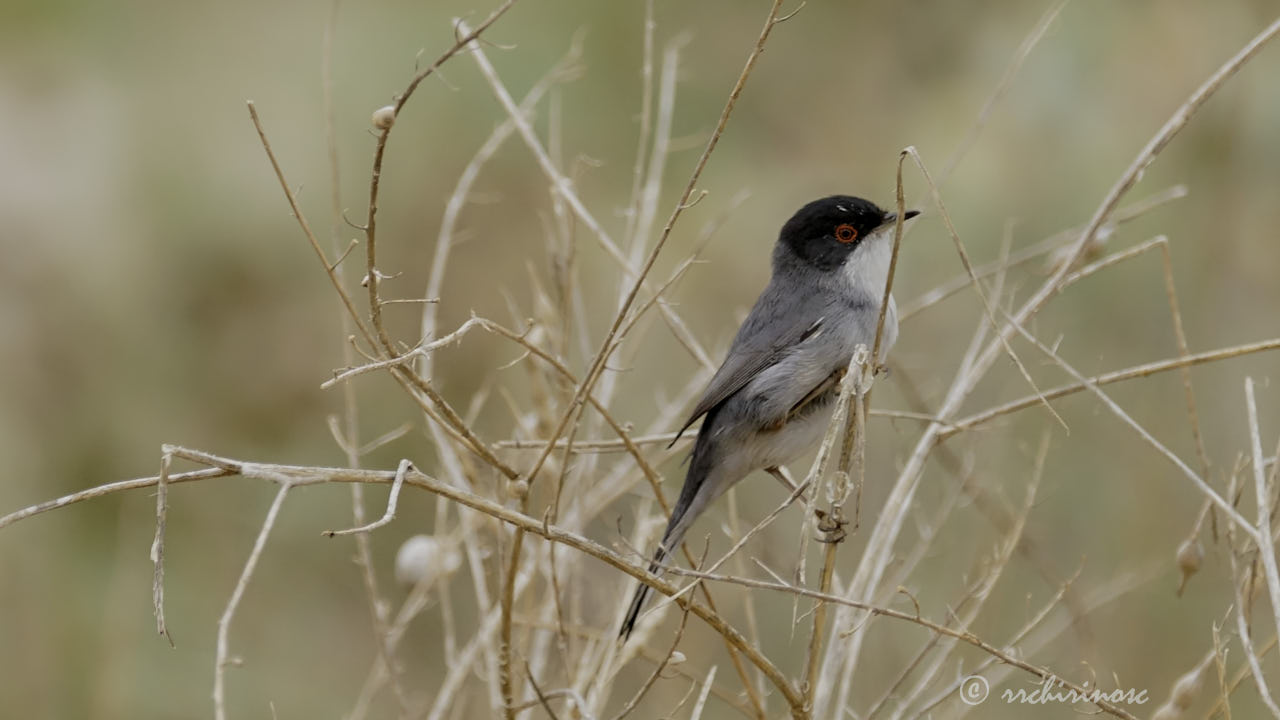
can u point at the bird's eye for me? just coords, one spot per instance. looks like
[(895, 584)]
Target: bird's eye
[(846, 233)]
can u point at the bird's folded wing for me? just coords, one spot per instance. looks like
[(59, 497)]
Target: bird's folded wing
[(766, 336)]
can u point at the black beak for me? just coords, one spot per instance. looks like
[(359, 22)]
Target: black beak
[(891, 217)]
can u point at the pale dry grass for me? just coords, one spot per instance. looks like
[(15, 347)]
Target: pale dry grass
[(568, 462)]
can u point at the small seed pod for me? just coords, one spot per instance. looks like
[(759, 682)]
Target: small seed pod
[(518, 488), (422, 556), (415, 558), (677, 657), (1187, 688), (1189, 555), (384, 117)]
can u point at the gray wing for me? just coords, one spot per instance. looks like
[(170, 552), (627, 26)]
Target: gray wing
[(780, 320)]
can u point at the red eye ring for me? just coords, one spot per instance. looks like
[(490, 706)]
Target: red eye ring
[(846, 233)]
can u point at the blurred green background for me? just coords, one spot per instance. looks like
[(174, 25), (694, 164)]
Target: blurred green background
[(154, 288)]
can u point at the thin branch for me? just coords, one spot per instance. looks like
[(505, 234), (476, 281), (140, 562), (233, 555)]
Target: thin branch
[(969, 608), (573, 411), (701, 702), (1002, 88), (1045, 633), (505, 653), (1129, 373), (1266, 545), (973, 278), (222, 658), (157, 546), (1198, 481), (1255, 667), (1052, 243), (402, 359), (542, 699), (606, 345), (290, 476), (657, 670), (562, 185), (889, 524), (853, 371), (887, 296), (665, 438), (1180, 337), (348, 436), (961, 635), (385, 438), (466, 181), (389, 515), (330, 270), (544, 696), (419, 390), (110, 489), (300, 475), (767, 520), (370, 225), (646, 120)]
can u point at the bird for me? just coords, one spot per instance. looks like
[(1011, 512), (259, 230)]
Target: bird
[(773, 396)]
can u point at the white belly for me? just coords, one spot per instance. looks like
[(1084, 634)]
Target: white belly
[(778, 447)]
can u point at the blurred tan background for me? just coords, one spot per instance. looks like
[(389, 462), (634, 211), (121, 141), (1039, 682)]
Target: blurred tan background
[(154, 288)]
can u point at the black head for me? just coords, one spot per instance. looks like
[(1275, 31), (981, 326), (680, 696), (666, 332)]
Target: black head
[(825, 232)]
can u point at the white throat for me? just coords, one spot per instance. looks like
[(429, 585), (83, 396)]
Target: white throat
[(866, 271), (867, 268)]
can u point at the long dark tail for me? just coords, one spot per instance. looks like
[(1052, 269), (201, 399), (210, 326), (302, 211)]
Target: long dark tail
[(638, 600), (687, 508)]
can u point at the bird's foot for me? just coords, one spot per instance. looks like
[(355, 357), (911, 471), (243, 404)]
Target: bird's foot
[(831, 525)]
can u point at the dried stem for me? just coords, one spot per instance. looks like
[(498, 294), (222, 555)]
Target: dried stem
[(1129, 373), (1227, 508), (657, 671), (1050, 244), (372, 277), (157, 546), (390, 513), (958, 634), (841, 662), (348, 435), (526, 636), (1263, 537), (223, 658)]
